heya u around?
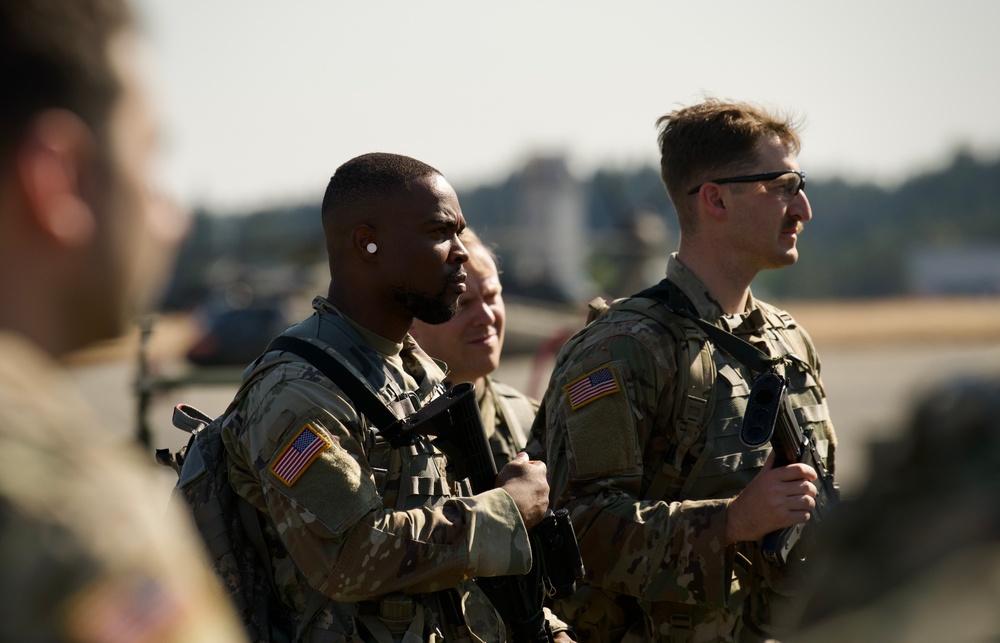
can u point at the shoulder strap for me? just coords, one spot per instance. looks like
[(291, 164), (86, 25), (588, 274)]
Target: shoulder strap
[(249, 515), (692, 396), (368, 403), (749, 355)]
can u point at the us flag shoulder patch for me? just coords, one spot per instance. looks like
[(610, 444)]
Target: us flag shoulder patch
[(297, 456), (591, 386)]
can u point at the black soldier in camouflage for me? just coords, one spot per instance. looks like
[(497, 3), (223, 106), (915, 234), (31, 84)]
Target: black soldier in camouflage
[(383, 538)]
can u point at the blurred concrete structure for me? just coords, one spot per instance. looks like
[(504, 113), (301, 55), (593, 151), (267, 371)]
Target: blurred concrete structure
[(545, 245), (960, 270)]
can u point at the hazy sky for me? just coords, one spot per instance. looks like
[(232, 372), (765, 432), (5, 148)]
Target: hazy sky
[(262, 99)]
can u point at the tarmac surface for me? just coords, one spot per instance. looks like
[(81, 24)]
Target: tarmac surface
[(870, 387)]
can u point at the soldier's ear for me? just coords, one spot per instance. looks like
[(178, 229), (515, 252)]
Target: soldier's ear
[(54, 161), (363, 241), (714, 200)]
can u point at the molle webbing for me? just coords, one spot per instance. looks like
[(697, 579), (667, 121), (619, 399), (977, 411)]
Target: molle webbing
[(747, 354), (693, 394)]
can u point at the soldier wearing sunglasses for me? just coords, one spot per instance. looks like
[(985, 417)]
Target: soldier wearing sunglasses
[(641, 418)]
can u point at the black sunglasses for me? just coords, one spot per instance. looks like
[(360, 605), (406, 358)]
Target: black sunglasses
[(766, 176)]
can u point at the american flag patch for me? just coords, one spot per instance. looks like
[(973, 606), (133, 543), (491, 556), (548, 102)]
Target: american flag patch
[(298, 455), (591, 386)]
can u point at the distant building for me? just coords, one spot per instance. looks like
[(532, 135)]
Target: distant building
[(960, 270), (545, 244)]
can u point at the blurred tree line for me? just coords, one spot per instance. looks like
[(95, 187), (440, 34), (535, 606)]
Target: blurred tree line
[(857, 245)]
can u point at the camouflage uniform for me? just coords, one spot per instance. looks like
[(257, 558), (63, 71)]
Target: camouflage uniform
[(369, 527), (86, 555), (507, 416), (648, 470)]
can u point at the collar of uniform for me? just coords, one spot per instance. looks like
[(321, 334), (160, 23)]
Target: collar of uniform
[(487, 387), (383, 345), (706, 306)]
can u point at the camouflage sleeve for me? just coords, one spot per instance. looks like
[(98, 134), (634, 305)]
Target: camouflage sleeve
[(308, 470), (90, 555), (606, 421), (535, 448)]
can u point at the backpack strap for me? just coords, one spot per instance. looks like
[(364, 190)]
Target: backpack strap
[(368, 403), (667, 293), (693, 394), (694, 403), (250, 519)]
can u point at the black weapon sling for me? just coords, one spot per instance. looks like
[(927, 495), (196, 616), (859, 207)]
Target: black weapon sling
[(369, 405), (668, 294)]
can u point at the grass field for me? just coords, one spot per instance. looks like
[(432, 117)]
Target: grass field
[(936, 320)]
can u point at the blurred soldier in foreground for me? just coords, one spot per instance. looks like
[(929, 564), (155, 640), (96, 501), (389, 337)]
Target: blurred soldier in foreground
[(915, 557), (87, 555), (367, 541), (641, 419), (470, 344)]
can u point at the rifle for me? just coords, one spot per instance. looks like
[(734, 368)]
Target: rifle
[(455, 427), (769, 417)]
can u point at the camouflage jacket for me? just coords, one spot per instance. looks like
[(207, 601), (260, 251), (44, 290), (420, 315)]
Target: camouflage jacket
[(658, 567), (88, 554), (348, 516), (507, 417)]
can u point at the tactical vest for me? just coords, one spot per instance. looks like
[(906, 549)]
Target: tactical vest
[(410, 478), (406, 478), (707, 460)]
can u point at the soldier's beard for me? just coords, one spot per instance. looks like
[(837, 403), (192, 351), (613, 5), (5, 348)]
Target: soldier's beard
[(430, 309)]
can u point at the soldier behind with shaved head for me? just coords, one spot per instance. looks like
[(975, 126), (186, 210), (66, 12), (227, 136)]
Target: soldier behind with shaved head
[(470, 345)]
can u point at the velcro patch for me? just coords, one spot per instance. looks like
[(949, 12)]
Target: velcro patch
[(595, 384), (299, 454), (135, 607)]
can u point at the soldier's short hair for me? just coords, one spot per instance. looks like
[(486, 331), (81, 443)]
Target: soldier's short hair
[(54, 54), (712, 139), (363, 179)]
